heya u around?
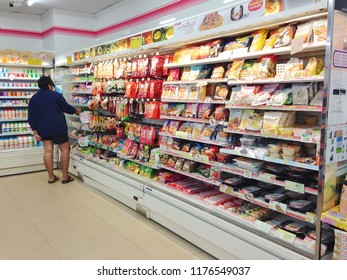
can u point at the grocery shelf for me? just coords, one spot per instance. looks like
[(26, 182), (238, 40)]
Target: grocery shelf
[(137, 161), (14, 120), (94, 144), (18, 79), (16, 133), (19, 88), (288, 138), (81, 93), (192, 175), (79, 105), (274, 160), (7, 106), (25, 65), (189, 156), (261, 177), (254, 81), (15, 97), (226, 57), (300, 108), (79, 82), (307, 217), (190, 138), (210, 81), (193, 101), (164, 117)]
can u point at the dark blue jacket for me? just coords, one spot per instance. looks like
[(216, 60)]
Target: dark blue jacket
[(46, 113)]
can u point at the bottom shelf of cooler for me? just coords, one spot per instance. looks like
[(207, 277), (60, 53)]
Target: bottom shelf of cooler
[(23, 160), (221, 233)]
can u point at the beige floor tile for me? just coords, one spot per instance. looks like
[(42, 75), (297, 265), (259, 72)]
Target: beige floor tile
[(34, 248), (9, 209), (124, 250), (160, 247), (17, 229), (76, 232)]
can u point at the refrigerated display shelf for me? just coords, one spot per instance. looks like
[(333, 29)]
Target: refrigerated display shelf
[(15, 97), (274, 160), (137, 161), (279, 137), (14, 106), (18, 79), (192, 175), (190, 138), (19, 88), (16, 133), (104, 147), (228, 57), (193, 101), (164, 117), (13, 120), (210, 81), (254, 81), (296, 108)]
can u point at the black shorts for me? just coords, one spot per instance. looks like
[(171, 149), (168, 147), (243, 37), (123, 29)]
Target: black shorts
[(59, 139)]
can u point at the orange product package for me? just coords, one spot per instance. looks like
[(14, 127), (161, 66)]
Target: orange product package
[(273, 6), (152, 110), (131, 89)]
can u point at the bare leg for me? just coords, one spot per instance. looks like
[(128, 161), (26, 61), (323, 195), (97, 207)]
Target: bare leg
[(48, 158), (65, 158)]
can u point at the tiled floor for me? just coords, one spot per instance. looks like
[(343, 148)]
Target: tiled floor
[(41, 221)]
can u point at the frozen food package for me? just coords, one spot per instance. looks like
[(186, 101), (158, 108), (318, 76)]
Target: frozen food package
[(234, 71), (320, 28), (191, 110), (221, 92), (281, 97), (259, 38), (304, 30), (300, 94), (235, 117), (218, 72)]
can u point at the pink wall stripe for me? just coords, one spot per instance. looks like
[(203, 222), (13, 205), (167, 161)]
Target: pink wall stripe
[(161, 11)]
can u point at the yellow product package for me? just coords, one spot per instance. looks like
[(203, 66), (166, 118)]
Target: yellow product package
[(259, 38), (311, 67)]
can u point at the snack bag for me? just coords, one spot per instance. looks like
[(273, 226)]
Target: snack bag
[(191, 111), (197, 129), (281, 97), (311, 67), (174, 75), (234, 71), (255, 121), (208, 132), (204, 111), (304, 30), (174, 126), (300, 94), (157, 66), (320, 29), (265, 94), (185, 74), (152, 110), (220, 114), (166, 126), (246, 69), (221, 135), (235, 117), (194, 72), (166, 92), (218, 72), (221, 92), (265, 68), (259, 38), (183, 92), (188, 166), (177, 109)]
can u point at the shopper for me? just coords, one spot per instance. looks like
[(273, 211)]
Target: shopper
[(47, 120)]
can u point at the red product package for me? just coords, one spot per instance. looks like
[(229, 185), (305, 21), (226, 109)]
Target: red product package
[(152, 110), (174, 74), (158, 88), (147, 89), (152, 89), (143, 134), (143, 67), (168, 59), (141, 92), (134, 68), (119, 131), (131, 89), (134, 151), (157, 66), (127, 146), (150, 135)]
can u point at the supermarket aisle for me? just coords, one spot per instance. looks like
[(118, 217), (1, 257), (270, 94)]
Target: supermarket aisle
[(73, 221)]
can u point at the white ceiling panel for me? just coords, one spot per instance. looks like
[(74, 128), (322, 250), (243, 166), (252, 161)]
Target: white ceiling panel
[(41, 6)]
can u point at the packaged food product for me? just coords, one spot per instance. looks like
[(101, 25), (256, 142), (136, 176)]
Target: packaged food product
[(204, 51), (204, 111), (221, 135), (248, 141), (186, 147), (251, 192), (302, 205), (265, 68), (195, 149), (191, 110), (166, 92), (183, 92), (218, 72), (174, 126), (210, 152), (174, 75), (281, 37), (247, 163), (246, 69), (245, 95), (204, 73), (179, 163), (157, 66), (188, 165), (275, 197), (171, 162), (215, 48), (234, 71), (300, 94), (320, 27), (304, 30), (194, 72), (235, 117), (185, 74), (152, 110), (221, 92), (262, 97), (255, 121), (176, 144), (185, 126), (297, 228), (288, 150), (204, 170), (240, 43), (208, 132), (166, 126), (220, 114), (281, 97), (311, 67), (259, 38), (197, 129)]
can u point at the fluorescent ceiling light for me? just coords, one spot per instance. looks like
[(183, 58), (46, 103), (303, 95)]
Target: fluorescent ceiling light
[(227, 1), (30, 2), (167, 21)]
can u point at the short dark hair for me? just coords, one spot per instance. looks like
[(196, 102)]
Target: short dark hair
[(45, 81)]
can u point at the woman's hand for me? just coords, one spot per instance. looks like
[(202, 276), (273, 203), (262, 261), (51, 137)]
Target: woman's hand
[(37, 137)]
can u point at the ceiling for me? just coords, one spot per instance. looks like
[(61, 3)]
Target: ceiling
[(41, 6)]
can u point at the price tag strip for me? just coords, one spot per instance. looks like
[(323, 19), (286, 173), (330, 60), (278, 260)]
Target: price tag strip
[(293, 186), (264, 227), (285, 235), (310, 217), (266, 177), (226, 189)]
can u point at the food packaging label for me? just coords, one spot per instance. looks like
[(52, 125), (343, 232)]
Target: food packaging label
[(286, 236), (266, 177)]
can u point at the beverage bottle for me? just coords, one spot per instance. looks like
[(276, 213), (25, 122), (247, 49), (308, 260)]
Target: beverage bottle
[(12, 127)]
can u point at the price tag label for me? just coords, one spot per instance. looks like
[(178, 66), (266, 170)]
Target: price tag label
[(185, 59), (259, 154), (226, 54), (266, 177), (293, 186), (248, 174), (306, 138), (264, 227), (226, 189), (297, 45), (278, 207), (12, 77), (208, 99), (181, 134), (198, 157), (310, 217), (286, 236)]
